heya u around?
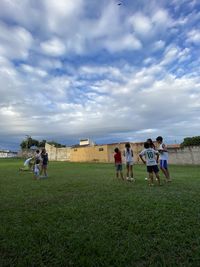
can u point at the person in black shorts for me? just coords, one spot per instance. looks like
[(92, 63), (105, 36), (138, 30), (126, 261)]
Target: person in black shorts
[(45, 160), (151, 161)]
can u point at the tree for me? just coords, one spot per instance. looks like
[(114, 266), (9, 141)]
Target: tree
[(42, 143), (29, 142), (56, 144), (191, 141)]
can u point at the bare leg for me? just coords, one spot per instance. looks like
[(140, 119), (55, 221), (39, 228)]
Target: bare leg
[(158, 178), (131, 170), (127, 171), (166, 174), (150, 178)]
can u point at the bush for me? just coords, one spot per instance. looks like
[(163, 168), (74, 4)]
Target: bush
[(191, 141)]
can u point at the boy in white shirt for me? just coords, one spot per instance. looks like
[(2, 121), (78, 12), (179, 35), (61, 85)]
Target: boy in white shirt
[(162, 149), (28, 164), (151, 160)]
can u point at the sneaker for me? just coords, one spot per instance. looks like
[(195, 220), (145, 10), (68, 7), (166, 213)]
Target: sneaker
[(132, 179), (146, 178)]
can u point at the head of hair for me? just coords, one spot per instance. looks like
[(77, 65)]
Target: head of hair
[(127, 145), (116, 150), (43, 150), (151, 144), (149, 140), (159, 139), (146, 145), (37, 151)]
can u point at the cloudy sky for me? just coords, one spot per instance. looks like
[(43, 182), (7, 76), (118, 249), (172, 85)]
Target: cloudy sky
[(109, 70)]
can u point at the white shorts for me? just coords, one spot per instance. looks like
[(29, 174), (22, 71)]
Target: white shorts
[(36, 169), (129, 163)]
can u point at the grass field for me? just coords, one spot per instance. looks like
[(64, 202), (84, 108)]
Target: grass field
[(82, 216)]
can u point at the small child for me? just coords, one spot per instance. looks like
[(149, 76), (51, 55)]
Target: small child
[(128, 154), (162, 149), (151, 162), (118, 163), (37, 164)]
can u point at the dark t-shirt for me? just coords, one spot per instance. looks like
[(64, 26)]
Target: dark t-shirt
[(44, 158)]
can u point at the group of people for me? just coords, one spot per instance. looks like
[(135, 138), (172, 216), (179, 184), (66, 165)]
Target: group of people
[(150, 156), (37, 164)]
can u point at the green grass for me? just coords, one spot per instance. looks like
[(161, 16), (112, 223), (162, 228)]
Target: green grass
[(82, 216)]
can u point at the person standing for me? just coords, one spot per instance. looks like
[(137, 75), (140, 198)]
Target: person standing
[(45, 160), (128, 154), (162, 149), (118, 163), (151, 160), (37, 161)]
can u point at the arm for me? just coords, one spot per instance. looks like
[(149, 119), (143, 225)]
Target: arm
[(141, 157), (164, 148), (157, 157)]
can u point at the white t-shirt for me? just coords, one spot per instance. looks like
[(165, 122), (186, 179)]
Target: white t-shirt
[(149, 154), (128, 155), (26, 162), (163, 155)]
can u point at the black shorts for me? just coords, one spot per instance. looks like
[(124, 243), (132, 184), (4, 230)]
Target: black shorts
[(153, 168)]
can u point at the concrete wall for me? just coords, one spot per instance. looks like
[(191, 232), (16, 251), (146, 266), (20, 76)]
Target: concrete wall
[(96, 153), (104, 153), (187, 155), (89, 154), (58, 154)]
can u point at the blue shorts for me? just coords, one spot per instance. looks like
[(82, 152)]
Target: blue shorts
[(163, 164), (118, 167), (153, 168)]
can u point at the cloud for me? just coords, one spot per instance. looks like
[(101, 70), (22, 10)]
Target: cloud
[(53, 47), (15, 42), (194, 36), (77, 68)]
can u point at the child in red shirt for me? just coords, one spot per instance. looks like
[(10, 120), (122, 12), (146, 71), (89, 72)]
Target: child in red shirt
[(118, 163)]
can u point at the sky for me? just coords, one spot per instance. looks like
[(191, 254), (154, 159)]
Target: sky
[(107, 70)]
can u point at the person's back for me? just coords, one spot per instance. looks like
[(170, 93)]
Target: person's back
[(27, 161), (44, 157), (150, 156), (151, 159), (128, 154), (118, 157), (118, 162)]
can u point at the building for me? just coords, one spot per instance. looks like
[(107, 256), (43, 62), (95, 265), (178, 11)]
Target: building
[(8, 154)]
